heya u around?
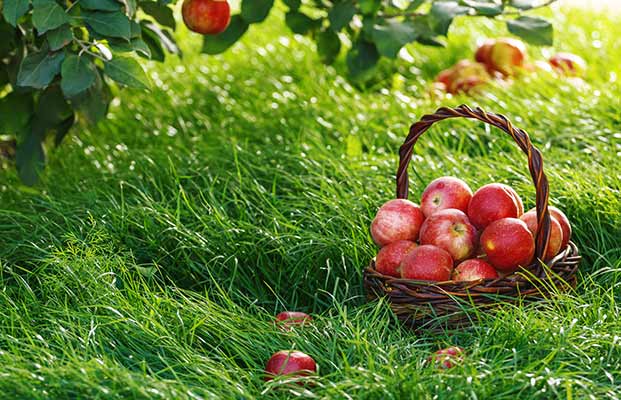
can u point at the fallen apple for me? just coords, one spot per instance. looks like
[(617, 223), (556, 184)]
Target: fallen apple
[(291, 363), (568, 64), (207, 17), (398, 219), (450, 230), (289, 319), (506, 56), (447, 358)]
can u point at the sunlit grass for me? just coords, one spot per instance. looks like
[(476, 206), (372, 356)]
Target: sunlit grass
[(149, 262)]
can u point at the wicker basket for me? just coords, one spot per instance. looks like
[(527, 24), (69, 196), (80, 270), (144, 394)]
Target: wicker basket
[(423, 304)]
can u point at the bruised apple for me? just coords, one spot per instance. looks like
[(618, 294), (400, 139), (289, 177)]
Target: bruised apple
[(397, 219)]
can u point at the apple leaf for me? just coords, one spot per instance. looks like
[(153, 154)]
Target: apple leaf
[(162, 14), (127, 71), (301, 23), (328, 46), (534, 30), (78, 74), (113, 24), (59, 37), (15, 112), (47, 15), (369, 7), (100, 5), (486, 8), (38, 69), (442, 14), (525, 4), (361, 60), (341, 14), (30, 157), (391, 35), (253, 11), (14, 10), (92, 104), (216, 44)]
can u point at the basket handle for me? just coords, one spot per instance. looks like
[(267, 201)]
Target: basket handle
[(535, 161)]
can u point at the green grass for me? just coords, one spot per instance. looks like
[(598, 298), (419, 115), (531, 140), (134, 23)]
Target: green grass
[(152, 257)]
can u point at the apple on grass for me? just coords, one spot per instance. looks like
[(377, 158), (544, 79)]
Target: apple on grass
[(397, 219), (464, 76), (388, 259), (508, 244), (492, 202), (207, 17), (473, 270), (568, 64), (447, 358), (427, 263), (556, 232), (504, 55), (291, 363), (451, 231), (288, 319), (445, 192)]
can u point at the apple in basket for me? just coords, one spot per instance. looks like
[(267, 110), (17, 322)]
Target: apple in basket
[(508, 244), (492, 202), (445, 192), (388, 259), (450, 230), (427, 263), (291, 363), (556, 232), (397, 219), (565, 225), (473, 270)]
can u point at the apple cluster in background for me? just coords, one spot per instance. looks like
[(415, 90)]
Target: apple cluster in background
[(455, 235), (499, 59)]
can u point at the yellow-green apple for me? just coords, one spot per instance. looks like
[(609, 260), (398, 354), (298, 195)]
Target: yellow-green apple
[(508, 244), (568, 64), (291, 363), (556, 233), (427, 263), (464, 76), (443, 193), (447, 358), (565, 225), (397, 219), (450, 230), (288, 319), (388, 259), (504, 55), (473, 270), (492, 202), (207, 17)]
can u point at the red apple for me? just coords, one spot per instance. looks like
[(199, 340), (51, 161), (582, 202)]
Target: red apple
[(463, 76), (508, 244), (447, 358), (288, 319), (208, 17), (482, 54), (450, 230), (568, 64), (397, 219), (506, 56), (389, 257), (473, 270), (427, 263), (556, 233), (292, 363), (445, 77), (492, 202), (443, 193), (565, 225)]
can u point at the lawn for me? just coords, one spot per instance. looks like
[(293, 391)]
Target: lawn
[(150, 260)]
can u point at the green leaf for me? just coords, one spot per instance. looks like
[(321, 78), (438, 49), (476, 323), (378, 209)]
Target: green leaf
[(59, 37), (92, 104), (47, 15), (8, 42), (361, 60), (369, 7), (414, 4), (136, 45), (486, 8), (216, 44), (14, 10), (52, 109), (100, 5), (30, 157), (114, 24), (293, 5), (162, 14), (301, 23), (534, 30), (164, 37), (328, 46), (341, 14), (426, 35), (442, 14), (38, 69), (128, 72), (78, 74), (392, 35), (525, 4), (63, 128), (15, 112), (253, 11), (155, 44)]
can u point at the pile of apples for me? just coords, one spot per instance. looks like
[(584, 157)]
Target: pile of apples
[(501, 59), (455, 235)]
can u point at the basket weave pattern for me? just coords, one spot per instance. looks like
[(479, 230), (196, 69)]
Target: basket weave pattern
[(421, 303)]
